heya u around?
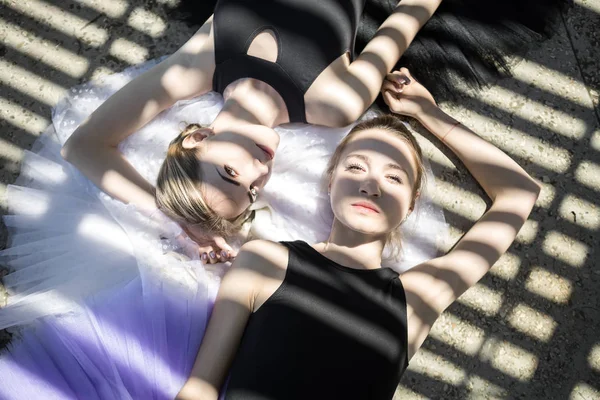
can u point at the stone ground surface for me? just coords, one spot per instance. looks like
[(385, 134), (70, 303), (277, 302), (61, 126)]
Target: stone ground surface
[(529, 329)]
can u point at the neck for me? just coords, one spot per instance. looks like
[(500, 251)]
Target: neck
[(251, 101), (352, 249)]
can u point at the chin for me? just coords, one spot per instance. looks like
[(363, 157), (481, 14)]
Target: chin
[(364, 227)]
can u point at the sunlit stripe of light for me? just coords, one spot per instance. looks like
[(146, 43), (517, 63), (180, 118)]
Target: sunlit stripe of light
[(12, 112), (565, 248), (588, 174), (480, 388), (532, 322), (542, 115), (3, 204), (532, 111), (430, 364), (594, 357), (510, 359), (555, 83), (104, 230), (30, 84), (169, 3), (128, 51), (518, 143), (101, 72), (595, 140), (43, 50), (507, 267), (584, 391), (483, 299), (547, 195), (111, 8), (459, 334), (11, 151), (62, 21), (549, 285), (592, 6), (402, 392), (147, 22), (580, 212), (528, 232)]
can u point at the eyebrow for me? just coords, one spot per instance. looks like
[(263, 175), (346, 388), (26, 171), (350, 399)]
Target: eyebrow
[(367, 159)]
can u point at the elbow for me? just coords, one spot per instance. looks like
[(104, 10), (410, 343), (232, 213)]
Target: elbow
[(68, 150), (79, 148), (520, 199), (533, 188), (74, 149)]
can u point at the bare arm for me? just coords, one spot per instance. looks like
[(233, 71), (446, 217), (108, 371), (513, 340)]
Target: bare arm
[(93, 146), (360, 84), (432, 286), (252, 279)]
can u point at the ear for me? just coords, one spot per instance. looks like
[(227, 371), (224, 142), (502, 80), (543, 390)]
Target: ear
[(195, 138)]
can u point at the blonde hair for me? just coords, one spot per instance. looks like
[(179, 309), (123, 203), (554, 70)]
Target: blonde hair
[(395, 125), (179, 189)]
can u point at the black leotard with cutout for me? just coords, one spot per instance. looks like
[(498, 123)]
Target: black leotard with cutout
[(328, 332), (310, 34)]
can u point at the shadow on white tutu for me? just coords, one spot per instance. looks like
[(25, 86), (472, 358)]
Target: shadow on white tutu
[(104, 307)]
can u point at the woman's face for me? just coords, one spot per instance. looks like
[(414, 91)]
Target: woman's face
[(372, 185), (235, 164)]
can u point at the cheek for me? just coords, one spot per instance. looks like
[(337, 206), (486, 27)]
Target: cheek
[(398, 205)]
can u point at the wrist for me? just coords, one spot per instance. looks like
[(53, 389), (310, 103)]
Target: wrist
[(427, 110)]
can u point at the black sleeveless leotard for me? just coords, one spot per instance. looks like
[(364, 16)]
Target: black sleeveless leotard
[(310, 34), (328, 332)]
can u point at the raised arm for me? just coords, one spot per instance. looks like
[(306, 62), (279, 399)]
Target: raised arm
[(432, 286), (93, 146), (359, 85)]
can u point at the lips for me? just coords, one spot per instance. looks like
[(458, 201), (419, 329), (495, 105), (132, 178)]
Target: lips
[(267, 150), (369, 207)]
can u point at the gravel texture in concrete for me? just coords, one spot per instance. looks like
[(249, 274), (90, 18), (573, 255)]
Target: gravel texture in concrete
[(529, 329)]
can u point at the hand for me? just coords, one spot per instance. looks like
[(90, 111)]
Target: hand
[(211, 248), (404, 95)]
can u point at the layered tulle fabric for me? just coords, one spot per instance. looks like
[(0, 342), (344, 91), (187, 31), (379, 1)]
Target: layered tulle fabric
[(138, 342), (104, 306)]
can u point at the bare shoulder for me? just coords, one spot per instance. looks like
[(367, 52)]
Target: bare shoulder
[(189, 71), (260, 254), (265, 263)]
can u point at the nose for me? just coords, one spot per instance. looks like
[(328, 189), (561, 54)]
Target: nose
[(261, 169), (370, 187), (255, 174)]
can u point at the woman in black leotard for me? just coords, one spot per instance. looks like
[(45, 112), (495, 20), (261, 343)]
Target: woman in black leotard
[(295, 321), (275, 62)]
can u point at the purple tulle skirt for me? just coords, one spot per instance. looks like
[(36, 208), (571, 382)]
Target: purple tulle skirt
[(137, 342)]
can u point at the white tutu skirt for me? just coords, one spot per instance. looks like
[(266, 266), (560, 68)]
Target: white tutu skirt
[(102, 305)]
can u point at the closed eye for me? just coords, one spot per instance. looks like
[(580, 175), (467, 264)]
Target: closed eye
[(395, 178), (355, 167)]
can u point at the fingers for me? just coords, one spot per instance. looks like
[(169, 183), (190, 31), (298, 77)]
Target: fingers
[(392, 87), (392, 101), (217, 253), (401, 77), (224, 246), (214, 255)]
